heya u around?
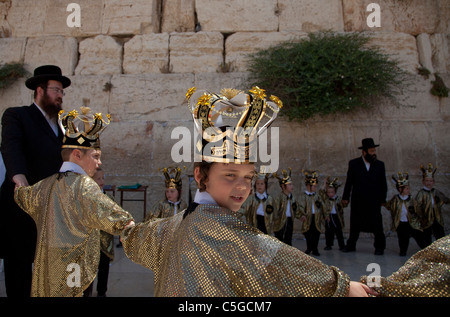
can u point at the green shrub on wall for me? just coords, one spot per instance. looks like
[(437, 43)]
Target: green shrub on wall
[(324, 74), (9, 73)]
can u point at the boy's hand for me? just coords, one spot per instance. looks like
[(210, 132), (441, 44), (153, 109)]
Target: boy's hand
[(358, 289)]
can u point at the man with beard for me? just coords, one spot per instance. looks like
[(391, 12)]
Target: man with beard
[(31, 150), (366, 181)]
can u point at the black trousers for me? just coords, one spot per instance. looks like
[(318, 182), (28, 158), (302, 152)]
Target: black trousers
[(261, 223), (312, 236), (435, 229), (18, 275), (332, 228), (379, 241), (102, 277), (404, 233), (285, 234)]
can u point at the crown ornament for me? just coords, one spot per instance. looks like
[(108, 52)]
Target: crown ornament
[(429, 171), (82, 129), (172, 176), (285, 177), (333, 183), (311, 177), (228, 122), (401, 181)]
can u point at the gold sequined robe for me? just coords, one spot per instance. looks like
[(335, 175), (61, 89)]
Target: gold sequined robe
[(250, 207), (427, 211), (305, 203), (394, 205), (69, 210), (165, 209), (213, 253), (327, 206), (280, 207), (425, 274)]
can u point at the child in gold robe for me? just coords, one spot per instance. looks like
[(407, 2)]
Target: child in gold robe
[(207, 250), (69, 210)]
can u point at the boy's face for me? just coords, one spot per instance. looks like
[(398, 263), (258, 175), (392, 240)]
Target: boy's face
[(287, 188), (99, 178), (229, 184), (89, 161), (172, 194), (311, 188), (260, 186), (405, 191), (428, 182), (331, 192)]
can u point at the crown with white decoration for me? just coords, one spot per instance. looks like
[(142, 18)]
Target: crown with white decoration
[(228, 123), (82, 130)]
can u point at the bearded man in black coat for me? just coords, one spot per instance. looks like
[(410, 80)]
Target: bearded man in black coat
[(31, 150), (366, 182)]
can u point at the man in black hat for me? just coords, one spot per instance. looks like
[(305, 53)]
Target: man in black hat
[(31, 150), (366, 181)]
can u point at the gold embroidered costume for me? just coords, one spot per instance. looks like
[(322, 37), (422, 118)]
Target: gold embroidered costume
[(425, 274), (428, 205), (250, 207), (213, 253), (395, 206), (305, 205), (281, 203), (165, 209), (327, 206), (69, 210)]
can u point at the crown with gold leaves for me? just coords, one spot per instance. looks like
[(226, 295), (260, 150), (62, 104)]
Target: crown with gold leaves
[(333, 183), (311, 177), (285, 177), (401, 181), (82, 130), (429, 171), (228, 122), (172, 176)]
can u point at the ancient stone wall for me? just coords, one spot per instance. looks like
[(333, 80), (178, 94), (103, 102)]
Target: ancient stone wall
[(135, 59)]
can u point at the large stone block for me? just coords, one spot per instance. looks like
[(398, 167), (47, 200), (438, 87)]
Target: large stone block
[(399, 46), (410, 16), (147, 53), (239, 45), (130, 16), (237, 15), (178, 16), (425, 51), (310, 16), (150, 97), (57, 50), (440, 45), (26, 18), (196, 52), (101, 55), (12, 50)]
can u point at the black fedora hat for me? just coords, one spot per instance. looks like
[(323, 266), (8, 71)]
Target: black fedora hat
[(45, 73), (368, 144)]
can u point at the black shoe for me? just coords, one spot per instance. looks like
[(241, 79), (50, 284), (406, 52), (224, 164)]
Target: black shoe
[(402, 253), (347, 249), (379, 252), (308, 251), (327, 248), (316, 253)]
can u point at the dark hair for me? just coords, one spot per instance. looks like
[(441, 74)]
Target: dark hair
[(204, 168), (42, 85)]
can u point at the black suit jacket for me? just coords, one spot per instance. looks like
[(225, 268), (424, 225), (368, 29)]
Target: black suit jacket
[(29, 146), (368, 190)]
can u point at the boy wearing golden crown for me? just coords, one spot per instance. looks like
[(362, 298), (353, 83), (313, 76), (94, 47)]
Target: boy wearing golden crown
[(69, 210), (173, 203), (207, 250), (333, 210), (404, 218), (310, 210), (428, 204), (258, 208), (285, 208)]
